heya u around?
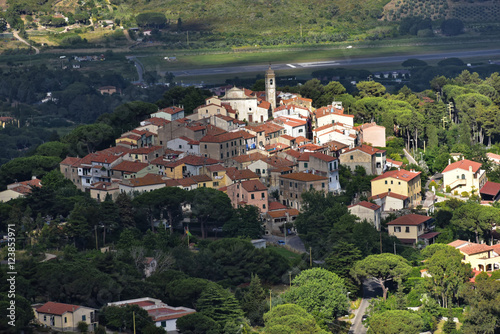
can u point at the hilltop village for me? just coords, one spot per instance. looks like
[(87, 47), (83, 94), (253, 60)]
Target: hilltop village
[(186, 206)]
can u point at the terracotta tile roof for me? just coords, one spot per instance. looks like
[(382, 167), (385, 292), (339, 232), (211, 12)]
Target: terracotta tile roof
[(289, 105), (168, 313), (253, 185), (228, 136), (57, 308), (213, 130), (143, 132), (367, 126), (116, 150), (280, 169), (472, 249), (411, 219), (463, 164), (335, 145), (70, 161), (276, 147), (391, 194), (201, 178), (301, 139), (293, 153), (157, 121), (249, 157), (187, 182), (310, 147), (282, 213), (273, 206), (236, 174), (287, 137), (293, 122), (161, 161), (216, 168), (496, 248), (394, 162), (367, 205), (324, 127), (130, 136), (364, 148), (493, 156), (429, 235), (322, 156), (304, 156), (171, 183), (305, 177), (147, 180), (265, 105), (130, 166), (171, 110), (277, 161), (145, 150), (458, 243), (328, 110), (195, 160), (98, 157), (267, 128), (401, 174), (490, 188)]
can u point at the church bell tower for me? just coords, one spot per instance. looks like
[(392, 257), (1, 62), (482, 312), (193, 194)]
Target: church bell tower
[(271, 88)]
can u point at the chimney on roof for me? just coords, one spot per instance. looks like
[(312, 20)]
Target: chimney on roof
[(399, 168)]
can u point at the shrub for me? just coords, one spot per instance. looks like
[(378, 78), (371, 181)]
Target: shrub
[(448, 189), (465, 194)]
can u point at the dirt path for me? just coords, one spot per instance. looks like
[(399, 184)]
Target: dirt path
[(16, 35)]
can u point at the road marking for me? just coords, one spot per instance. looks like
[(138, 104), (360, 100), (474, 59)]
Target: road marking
[(290, 65)]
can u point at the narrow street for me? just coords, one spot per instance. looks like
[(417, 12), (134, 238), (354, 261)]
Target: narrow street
[(371, 289)]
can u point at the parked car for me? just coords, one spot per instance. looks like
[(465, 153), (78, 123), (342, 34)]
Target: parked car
[(281, 242)]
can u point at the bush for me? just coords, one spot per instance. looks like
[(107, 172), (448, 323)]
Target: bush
[(448, 189), (464, 194)]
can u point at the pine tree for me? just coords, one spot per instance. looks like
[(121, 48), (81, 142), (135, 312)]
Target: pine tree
[(219, 304), (254, 303)]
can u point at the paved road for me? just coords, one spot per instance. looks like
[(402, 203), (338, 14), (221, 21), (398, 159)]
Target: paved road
[(370, 290), (347, 61), (292, 241), (139, 67)]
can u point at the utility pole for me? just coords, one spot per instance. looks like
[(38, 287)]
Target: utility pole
[(290, 278), (395, 248)]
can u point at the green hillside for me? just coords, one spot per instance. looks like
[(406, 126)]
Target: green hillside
[(479, 11)]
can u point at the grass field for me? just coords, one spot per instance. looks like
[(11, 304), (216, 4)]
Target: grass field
[(291, 256)]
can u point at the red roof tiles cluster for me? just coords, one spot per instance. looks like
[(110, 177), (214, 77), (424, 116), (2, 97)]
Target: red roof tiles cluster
[(411, 219), (463, 164), (401, 174)]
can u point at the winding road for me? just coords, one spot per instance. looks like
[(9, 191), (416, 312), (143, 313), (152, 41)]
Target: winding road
[(347, 61), (16, 35), (371, 289)]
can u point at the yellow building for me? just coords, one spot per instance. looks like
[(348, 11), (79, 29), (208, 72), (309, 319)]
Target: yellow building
[(481, 257), (401, 182), (65, 317)]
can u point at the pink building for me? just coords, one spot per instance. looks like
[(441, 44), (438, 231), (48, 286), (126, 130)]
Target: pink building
[(372, 134), (251, 192)]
